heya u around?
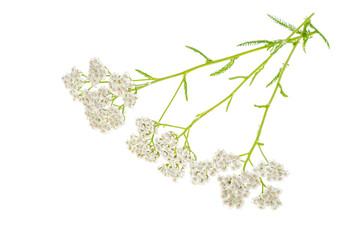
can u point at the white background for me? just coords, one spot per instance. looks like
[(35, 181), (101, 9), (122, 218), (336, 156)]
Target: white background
[(59, 179)]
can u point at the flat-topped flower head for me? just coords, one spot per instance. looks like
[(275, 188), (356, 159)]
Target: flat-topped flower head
[(172, 170), (233, 190), (97, 71), (166, 144), (141, 147), (175, 166), (202, 171), (122, 86), (185, 155), (74, 81), (146, 127), (269, 198), (272, 171), (223, 160)]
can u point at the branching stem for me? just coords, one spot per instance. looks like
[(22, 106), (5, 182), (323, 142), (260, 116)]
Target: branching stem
[(268, 106)]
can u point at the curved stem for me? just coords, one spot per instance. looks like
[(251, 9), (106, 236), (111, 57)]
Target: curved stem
[(263, 154)]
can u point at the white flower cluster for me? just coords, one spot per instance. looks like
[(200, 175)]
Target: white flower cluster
[(122, 86), (201, 171), (99, 102), (74, 81), (100, 113), (97, 71), (177, 158), (148, 147), (223, 160), (146, 127), (166, 144), (235, 188), (141, 145), (175, 166), (269, 198), (273, 171)]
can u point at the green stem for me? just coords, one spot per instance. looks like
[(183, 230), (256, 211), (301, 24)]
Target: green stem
[(163, 114), (263, 154), (199, 66), (155, 80), (262, 185), (201, 115), (169, 125), (268, 105), (275, 89)]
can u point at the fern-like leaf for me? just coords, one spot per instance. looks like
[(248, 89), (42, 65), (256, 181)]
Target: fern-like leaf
[(253, 43), (144, 74), (304, 35), (185, 87), (232, 78), (260, 106), (320, 34), (256, 73), (274, 79), (283, 23), (224, 68), (195, 50), (281, 91)]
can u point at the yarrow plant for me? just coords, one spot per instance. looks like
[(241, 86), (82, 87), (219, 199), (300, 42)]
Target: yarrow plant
[(105, 95)]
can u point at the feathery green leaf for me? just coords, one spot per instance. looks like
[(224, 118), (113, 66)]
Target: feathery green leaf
[(260, 106), (256, 73), (144, 74), (274, 79), (195, 50), (224, 68), (232, 78), (281, 91), (319, 33), (304, 35), (283, 23), (185, 87), (253, 43)]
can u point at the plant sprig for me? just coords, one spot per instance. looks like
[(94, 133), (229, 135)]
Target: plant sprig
[(174, 146)]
